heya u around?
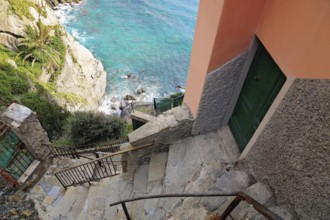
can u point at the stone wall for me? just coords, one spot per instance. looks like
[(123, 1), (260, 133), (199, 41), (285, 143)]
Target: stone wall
[(32, 135), (217, 95), (164, 129), (292, 153)]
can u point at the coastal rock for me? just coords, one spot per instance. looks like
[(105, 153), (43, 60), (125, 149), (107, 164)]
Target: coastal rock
[(139, 90), (122, 105), (82, 78), (82, 75), (129, 98)]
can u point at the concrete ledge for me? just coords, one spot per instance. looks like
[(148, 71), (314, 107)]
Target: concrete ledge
[(140, 116), (165, 129)]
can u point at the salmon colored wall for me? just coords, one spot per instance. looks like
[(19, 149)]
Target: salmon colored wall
[(224, 29), (297, 35), (236, 30), (206, 28)]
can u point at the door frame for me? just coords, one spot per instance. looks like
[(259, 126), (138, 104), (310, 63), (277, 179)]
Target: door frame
[(287, 84)]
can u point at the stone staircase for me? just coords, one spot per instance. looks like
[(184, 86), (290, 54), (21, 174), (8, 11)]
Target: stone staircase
[(200, 164)]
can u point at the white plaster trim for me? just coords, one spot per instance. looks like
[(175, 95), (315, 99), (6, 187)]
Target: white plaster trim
[(285, 88)]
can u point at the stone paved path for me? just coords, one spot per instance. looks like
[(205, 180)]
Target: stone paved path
[(197, 164)]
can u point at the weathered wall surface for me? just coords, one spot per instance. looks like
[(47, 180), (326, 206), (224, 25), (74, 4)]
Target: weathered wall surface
[(293, 152), (217, 93), (32, 135), (165, 128)]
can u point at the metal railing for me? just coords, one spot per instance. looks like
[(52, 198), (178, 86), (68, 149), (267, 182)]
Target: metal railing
[(87, 172), (21, 159), (68, 152), (163, 104), (93, 170), (73, 152), (240, 196)]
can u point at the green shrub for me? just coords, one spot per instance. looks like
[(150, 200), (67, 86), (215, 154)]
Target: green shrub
[(51, 116), (89, 127), (21, 8)]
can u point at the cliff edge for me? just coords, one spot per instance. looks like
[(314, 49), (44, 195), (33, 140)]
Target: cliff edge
[(82, 78)]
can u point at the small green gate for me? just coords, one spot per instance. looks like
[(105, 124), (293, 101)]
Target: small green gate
[(15, 158)]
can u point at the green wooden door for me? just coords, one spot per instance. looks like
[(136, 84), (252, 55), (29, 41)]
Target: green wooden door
[(263, 82)]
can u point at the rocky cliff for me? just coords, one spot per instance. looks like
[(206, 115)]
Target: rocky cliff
[(82, 77)]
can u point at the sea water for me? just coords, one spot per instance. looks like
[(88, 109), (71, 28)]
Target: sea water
[(148, 40)]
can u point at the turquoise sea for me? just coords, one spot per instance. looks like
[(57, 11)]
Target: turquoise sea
[(149, 39)]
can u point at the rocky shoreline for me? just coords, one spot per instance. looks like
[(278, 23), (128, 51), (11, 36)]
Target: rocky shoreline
[(82, 79)]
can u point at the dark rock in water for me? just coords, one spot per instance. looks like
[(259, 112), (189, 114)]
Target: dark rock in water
[(113, 106), (122, 105), (126, 111), (113, 99), (139, 90), (129, 98)]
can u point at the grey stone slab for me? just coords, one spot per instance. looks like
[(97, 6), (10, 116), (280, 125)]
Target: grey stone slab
[(231, 182), (228, 148), (203, 178), (260, 192), (183, 162), (208, 147), (157, 166), (141, 179)]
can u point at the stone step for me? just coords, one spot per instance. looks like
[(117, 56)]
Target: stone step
[(71, 204)]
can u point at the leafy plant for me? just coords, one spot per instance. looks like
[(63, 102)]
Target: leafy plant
[(89, 127), (51, 116), (39, 46), (21, 8)]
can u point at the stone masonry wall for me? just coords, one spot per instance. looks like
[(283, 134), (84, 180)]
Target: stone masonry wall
[(33, 136), (292, 154), (217, 93)]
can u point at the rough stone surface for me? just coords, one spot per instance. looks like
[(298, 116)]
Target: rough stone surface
[(183, 161), (84, 78), (157, 166), (33, 136), (231, 182), (164, 129), (217, 93), (87, 72), (293, 151), (141, 179)]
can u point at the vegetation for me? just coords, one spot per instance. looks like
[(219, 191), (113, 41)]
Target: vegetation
[(39, 46), (21, 8), (51, 116), (89, 127), (19, 73), (18, 77)]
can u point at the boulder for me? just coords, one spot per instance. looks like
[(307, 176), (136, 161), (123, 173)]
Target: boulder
[(129, 98)]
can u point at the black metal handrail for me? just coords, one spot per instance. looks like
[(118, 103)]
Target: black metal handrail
[(68, 152), (240, 196), (73, 152), (87, 172), (103, 144), (93, 170)]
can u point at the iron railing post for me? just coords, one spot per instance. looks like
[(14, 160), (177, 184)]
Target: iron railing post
[(125, 211), (230, 208)]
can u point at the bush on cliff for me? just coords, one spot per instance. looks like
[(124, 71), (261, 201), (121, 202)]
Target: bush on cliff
[(89, 127), (52, 117), (39, 46)]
